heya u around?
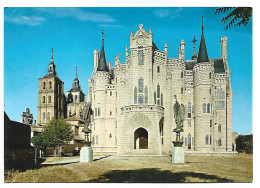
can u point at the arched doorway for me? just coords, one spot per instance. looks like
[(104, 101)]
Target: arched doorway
[(141, 139)]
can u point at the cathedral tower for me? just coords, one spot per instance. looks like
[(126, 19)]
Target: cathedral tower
[(51, 95)]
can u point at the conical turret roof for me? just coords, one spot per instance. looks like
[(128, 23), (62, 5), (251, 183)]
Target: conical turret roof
[(203, 55), (102, 65)]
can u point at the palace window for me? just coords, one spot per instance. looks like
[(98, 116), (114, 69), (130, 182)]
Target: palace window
[(220, 96), (182, 90), (158, 91), (43, 99), (189, 110), (189, 123), (43, 116), (99, 111), (50, 84), (219, 128), (135, 95), (210, 75), (146, 95), (208, 108), (110, 135), (219, 142), (140, 99), (207, 140), (158, 69), (140, 85), (210, 140), (95, 112), (110, 93), (110, 113), (140, 57), (44, 85), (189, 141), (49, 99), (210, 123), (204, 108), (48, 116), (181, 74), (158, 101), (76, 97)]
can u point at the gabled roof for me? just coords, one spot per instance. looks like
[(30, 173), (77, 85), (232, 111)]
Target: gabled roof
[(218, 65)]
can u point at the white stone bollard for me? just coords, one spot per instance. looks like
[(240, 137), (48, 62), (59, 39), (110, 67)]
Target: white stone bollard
[(86, 154), (178, 155)]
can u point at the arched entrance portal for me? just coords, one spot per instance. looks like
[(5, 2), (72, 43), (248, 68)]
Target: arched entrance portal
[(141, 139)]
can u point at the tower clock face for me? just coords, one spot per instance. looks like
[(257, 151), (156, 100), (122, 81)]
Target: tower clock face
[(140, 40)]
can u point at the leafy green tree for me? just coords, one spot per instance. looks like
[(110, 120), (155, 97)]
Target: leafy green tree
[(238, 16), (55, 134)]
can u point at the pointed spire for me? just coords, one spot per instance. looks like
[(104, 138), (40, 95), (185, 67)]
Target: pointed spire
[(194, 54), (52, 61), (76, 73), (126, 51), (203, 55), (165, 47), (102, 66)]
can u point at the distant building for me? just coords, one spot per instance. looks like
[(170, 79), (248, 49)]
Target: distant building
[(17, 149), (27, 117)]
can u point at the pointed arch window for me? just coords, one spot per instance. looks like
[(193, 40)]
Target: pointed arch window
[(204, 108), (44, 85), (146, 95), (210, 75), (43, 99), (182, 90), (140, 57), (141, 99), (135, 95), (158, 91), (181, 74), (158, 101), (48, 116), (49, 99), (50, 84), (189, 141), (141, 85)]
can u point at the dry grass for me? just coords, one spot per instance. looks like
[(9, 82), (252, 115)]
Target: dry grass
[(235, 168)]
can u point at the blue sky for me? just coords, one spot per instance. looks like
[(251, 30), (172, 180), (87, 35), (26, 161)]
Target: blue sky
[(74, 33)]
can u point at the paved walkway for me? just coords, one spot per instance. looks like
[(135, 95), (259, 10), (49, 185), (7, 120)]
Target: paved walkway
[(68, 160)]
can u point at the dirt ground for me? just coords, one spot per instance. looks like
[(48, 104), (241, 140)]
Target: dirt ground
[(233, 168)]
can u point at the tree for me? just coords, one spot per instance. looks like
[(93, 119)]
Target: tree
[(239, 16), (55, 134)]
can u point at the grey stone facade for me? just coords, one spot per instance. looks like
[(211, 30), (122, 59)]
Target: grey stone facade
[(133, 101)]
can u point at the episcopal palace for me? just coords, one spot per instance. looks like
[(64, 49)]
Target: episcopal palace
[(131, 103)]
